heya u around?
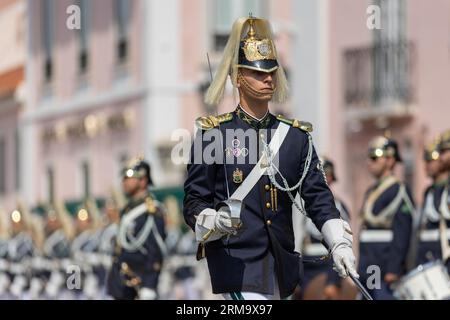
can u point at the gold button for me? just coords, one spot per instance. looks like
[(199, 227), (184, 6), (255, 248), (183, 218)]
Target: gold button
[(269, 222), (267, 187), (262, 135), (268, 205)]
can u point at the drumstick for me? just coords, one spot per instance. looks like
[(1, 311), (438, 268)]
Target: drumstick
[(361, 287)]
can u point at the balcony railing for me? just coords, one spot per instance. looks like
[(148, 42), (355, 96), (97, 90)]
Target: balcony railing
[(379, 76)]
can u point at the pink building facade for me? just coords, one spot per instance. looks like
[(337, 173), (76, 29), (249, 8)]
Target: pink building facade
[(369, 81), (136, 71), (12, 65), (88, 108), (85, 97)]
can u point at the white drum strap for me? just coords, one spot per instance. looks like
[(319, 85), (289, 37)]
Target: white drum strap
[(444, 242)]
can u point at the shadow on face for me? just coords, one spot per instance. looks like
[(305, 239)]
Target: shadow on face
[(433, 168), (379, 165)]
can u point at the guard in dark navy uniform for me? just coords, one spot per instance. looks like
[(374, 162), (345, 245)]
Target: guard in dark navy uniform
[(21, 250), (60, 231), (321, 281), (442, 200), (245, 170), (429, 248), (140, 249), (387, 220)]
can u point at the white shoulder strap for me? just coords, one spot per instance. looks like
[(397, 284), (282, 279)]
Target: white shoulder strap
[(258, 170), (134, 213)]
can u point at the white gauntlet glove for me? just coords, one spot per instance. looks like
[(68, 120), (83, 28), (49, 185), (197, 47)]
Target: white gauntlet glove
[(223, 223), (338, 236), (213, 225)]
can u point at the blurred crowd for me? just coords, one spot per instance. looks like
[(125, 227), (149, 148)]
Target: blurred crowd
[(59, 256)]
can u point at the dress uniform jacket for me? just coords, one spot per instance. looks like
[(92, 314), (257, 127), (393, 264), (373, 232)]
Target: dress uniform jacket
[(142, 266), (265, 243), (429, 245), (442, 201), (387, 249)]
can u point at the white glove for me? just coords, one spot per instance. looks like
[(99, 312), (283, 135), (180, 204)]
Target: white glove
[(147, 294), (54, 283), (213, 224), (91, 289), (223, 223), (18, 285), (4, 283), (338, 236), (35, 288)]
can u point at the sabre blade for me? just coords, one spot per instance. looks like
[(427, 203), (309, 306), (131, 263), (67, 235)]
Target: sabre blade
[(361, 287)]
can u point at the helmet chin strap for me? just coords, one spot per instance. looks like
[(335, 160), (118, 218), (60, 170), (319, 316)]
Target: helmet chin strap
[(252, 91)]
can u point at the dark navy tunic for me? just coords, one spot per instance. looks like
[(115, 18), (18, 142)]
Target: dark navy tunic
[(145, 266), (430, 249), (391, 255), (265, 243)]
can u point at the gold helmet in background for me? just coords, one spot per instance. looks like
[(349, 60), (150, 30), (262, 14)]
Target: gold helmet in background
[(432, 150), (444, 141)]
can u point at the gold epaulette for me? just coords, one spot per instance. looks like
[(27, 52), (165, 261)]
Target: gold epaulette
[(151, 205), (302, 125), (209, 122)]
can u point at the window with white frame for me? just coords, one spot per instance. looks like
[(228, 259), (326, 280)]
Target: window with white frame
[(2, 165), (85, 176), (121, 159), (83, 36), (17, 159), (50, 184), (393, 21), (48, 28), (392, 54), (227, 11), (122, 12)]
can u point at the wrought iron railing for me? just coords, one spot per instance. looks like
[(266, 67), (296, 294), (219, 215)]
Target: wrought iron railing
[(378, 75)]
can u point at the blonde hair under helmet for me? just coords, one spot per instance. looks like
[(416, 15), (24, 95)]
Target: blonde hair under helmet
[(229, 64)]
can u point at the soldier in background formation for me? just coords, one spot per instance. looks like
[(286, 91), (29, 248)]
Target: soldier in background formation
[(444, 199), (433, 225), (140, 247), (39, 253), (429, 247), (387, 215)]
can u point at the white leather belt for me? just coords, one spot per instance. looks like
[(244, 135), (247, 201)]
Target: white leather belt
[(432, 235), (376, 236), (315, 249)]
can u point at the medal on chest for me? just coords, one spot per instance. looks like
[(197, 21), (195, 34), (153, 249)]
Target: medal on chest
[(238, 176)]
